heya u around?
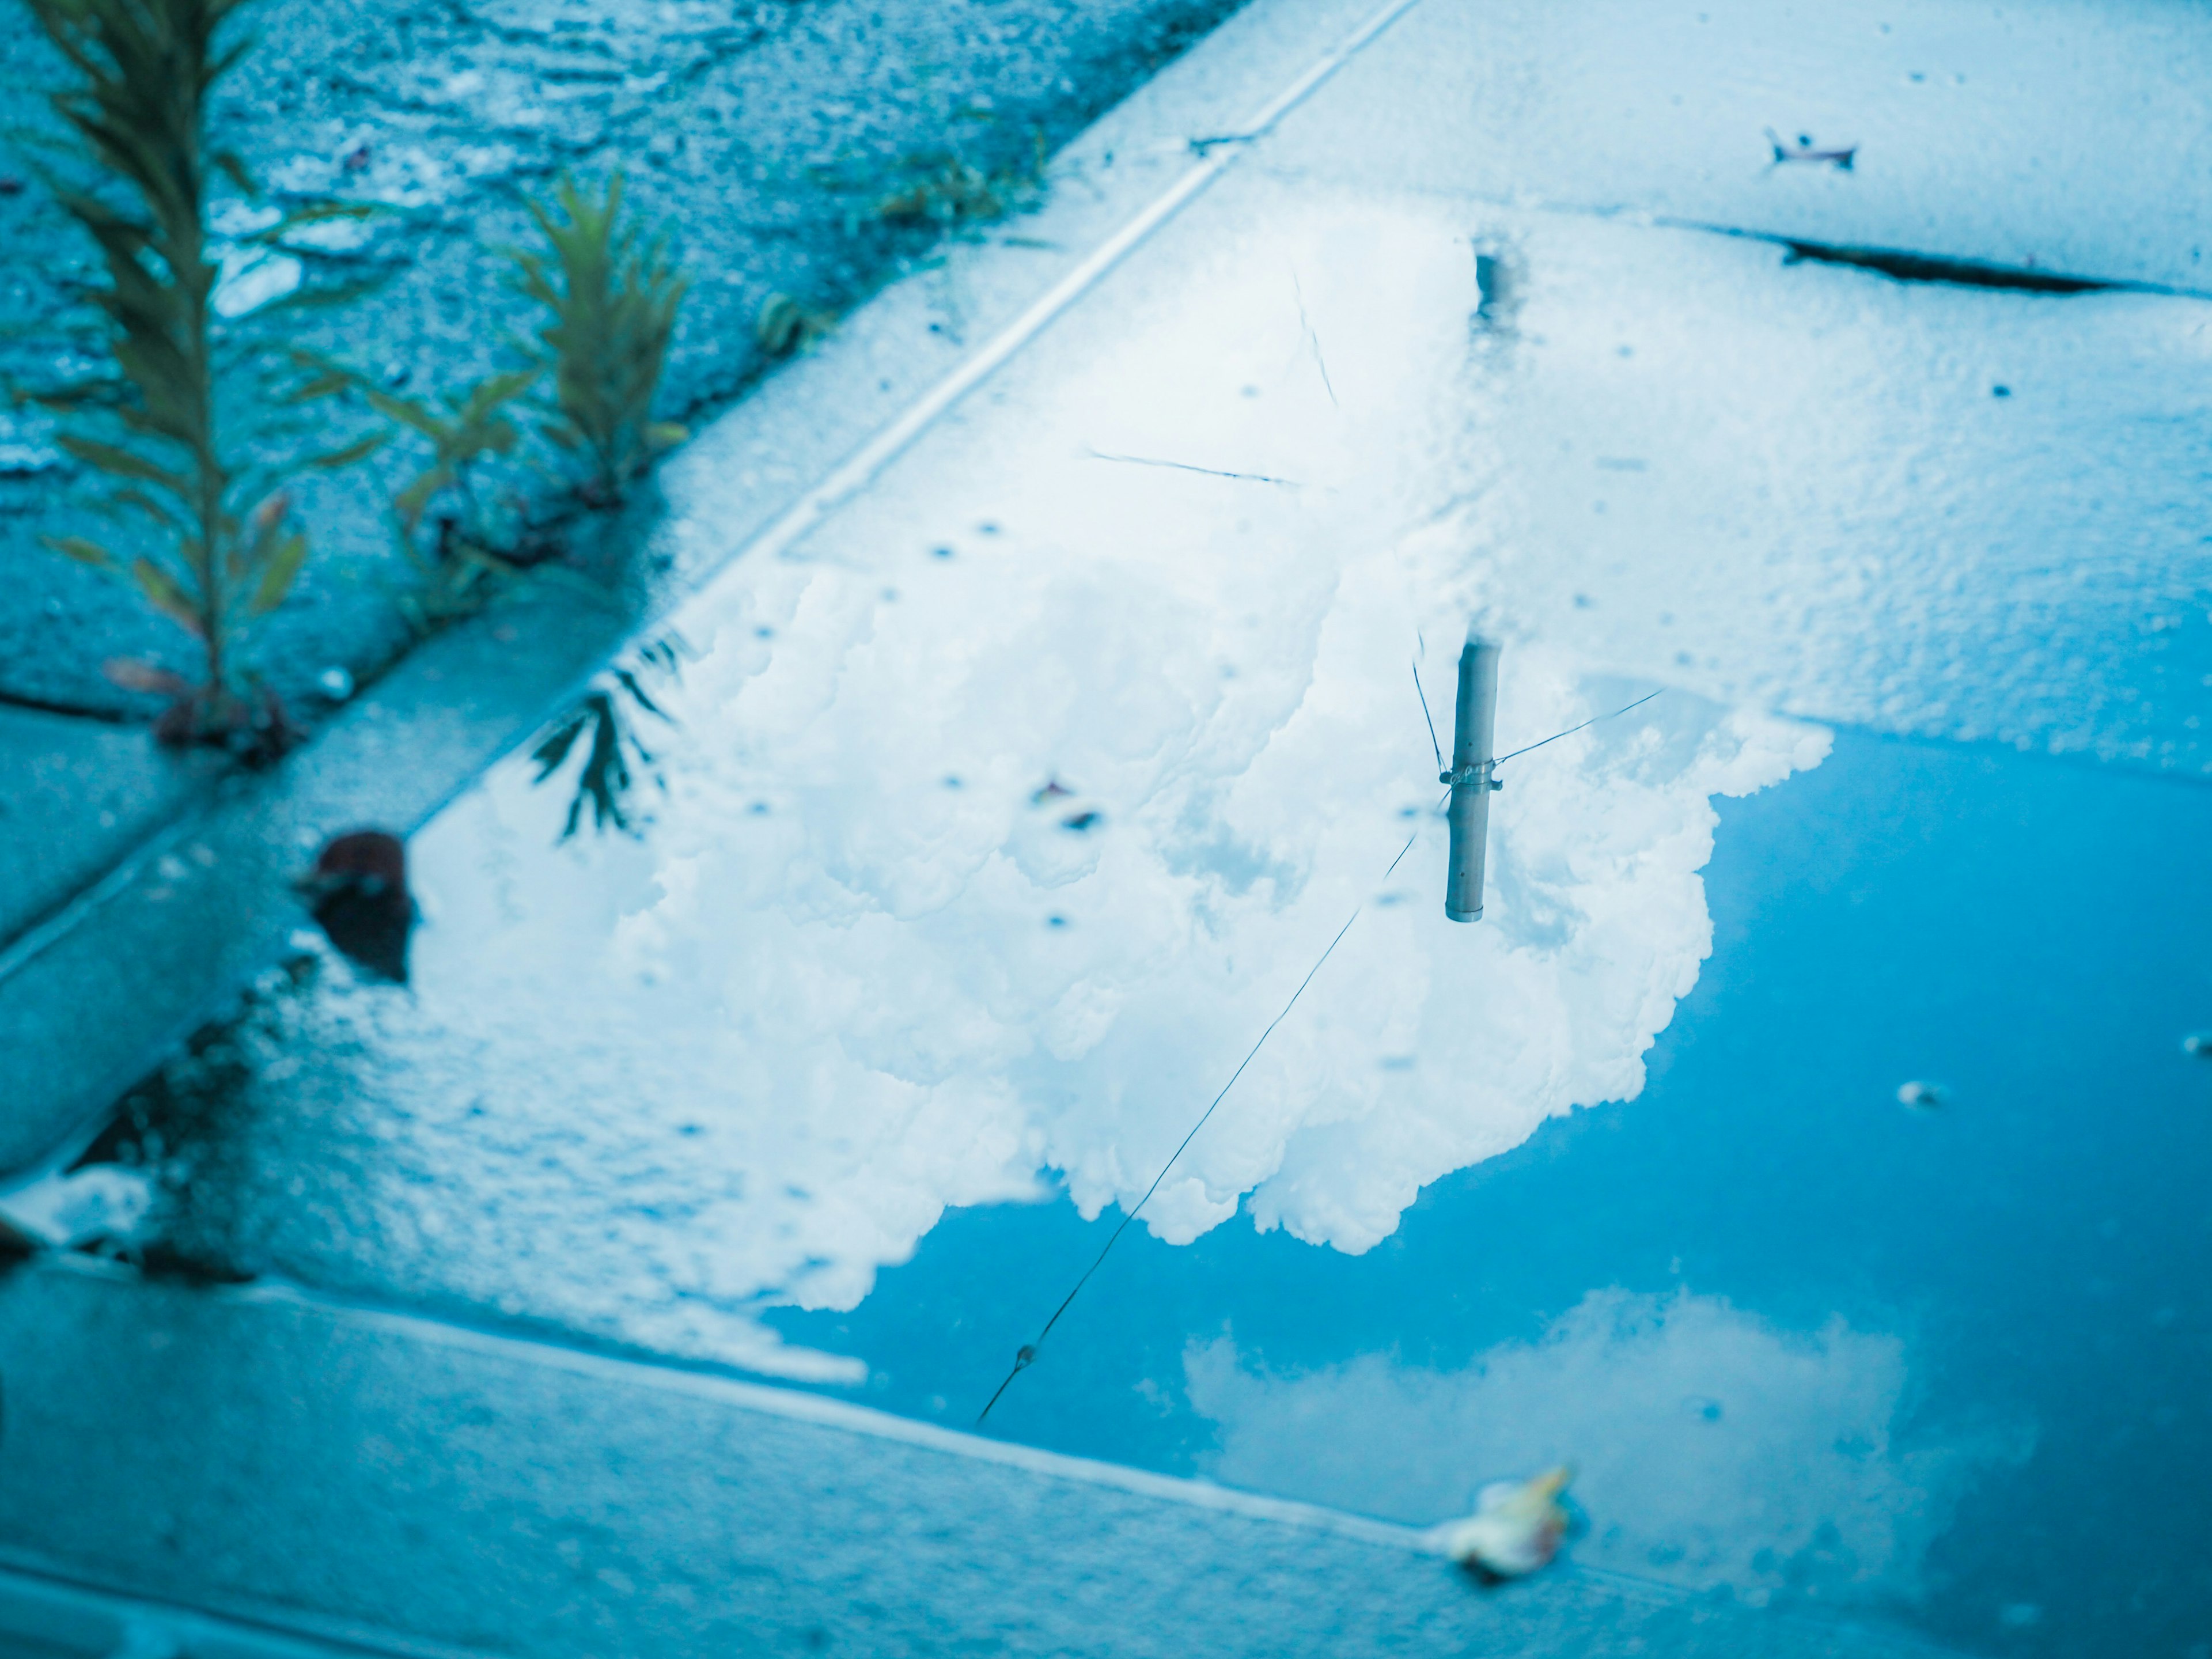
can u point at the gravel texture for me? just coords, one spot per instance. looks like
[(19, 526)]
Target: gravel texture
[(765, 137)]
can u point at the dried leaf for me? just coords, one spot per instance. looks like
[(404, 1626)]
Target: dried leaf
[(134, 674)]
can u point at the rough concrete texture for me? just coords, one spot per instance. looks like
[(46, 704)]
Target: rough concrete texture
[(765, 137), (346, 1473), (80, 793), (44, 1616), (205, 902)]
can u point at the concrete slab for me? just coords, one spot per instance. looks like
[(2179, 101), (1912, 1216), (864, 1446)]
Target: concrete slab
[(380, 1480), (46, 1616), (2057, 137), (81, 794)]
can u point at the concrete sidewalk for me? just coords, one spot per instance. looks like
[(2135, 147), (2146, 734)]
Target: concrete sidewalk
[(1855, 539), (342, 1477)]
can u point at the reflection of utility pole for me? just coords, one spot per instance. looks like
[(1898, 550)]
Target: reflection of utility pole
[(1470, 780)]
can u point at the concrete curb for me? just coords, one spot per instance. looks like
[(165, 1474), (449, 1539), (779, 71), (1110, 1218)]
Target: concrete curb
[(384, 1481)]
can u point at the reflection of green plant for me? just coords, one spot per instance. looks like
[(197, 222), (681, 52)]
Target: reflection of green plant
[(605, 780), (159, 426), (614, 307)]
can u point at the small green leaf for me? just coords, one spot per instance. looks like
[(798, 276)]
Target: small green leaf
[(277, 577), (163, 593), (84, 551), (124, 463), (328, 384), (666, 434), (406, 412), (410, 503), (234, 170), (146, 504), (360, 449), (314, 213)]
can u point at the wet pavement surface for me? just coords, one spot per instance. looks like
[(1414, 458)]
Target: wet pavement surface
[(1804, 1144)]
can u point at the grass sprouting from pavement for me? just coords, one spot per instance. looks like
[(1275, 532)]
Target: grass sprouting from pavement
[(181, 425)]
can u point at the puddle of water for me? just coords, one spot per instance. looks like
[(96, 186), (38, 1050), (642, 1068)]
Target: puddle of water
[(911, 911)]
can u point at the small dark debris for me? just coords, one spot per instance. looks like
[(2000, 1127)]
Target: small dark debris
[(1582, 601), (358, 894), (942, 552), (1052, 791), (987, 529), (763, 632), (1083, 822), (759, 809), (16, 1244), (2000, 392), (162, 1260), (1056, 921), (10, 186), (951, 782), (1838, 155)]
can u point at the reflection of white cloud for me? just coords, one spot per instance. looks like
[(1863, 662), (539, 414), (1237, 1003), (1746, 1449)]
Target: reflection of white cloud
[(1712, 1448), (834, 991)]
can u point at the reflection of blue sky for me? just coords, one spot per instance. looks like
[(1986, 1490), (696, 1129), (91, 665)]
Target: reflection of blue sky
[(2023, 1259), (852, 975), (1713, 1447), (642, 1086)]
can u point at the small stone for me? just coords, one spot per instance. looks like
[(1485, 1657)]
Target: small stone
[(334, 683)]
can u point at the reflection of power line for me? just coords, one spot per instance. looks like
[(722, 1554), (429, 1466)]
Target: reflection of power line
[(1473, 730), (1185, 466), (1571, 730), (1027, 1351)]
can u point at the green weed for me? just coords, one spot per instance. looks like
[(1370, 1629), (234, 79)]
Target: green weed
[(463, 546), (949, 194), (614, 300), (169, 425)]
